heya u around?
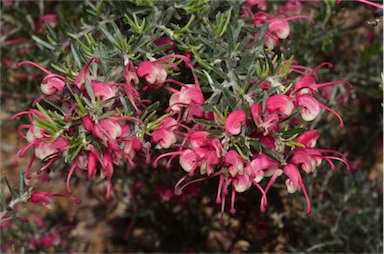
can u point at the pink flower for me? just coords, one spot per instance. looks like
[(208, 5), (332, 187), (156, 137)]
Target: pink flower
[(91, 165), (233, 122), (131, 146), (52, 83), (88, 123), (308, 138), (198, 139), (165, 136), (309, 163), (188, 160), (45, 150), (107, 130), (84, 73), (261, 166), (208, 160), (51, 19), (241, 183), (280, 104), (189, 97), (270, 122), (104, 91), (45, 197), (153, 72), (130, 74), (311, 108), (261, 4), (236, 163), (295, 182), (35, 133), (107, 170), (279, 27), (164, 41)]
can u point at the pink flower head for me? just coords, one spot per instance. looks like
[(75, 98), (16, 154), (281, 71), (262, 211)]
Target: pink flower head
[(261, 166), (311, 108), (107, 130), (88, 123), (153, 72), (52, 83), (241, 183), (295, 182), (189, 95), (35, 133), (51, 19), (188, 160), (236, 163), (270, 122), (208, 160), (256, 113), (261, 4), (107, 170), (165, 136), (308, 163), (280, 104), (84, 73), (104, 91), (233, 122), (45, 150), (279, 27), (45, 197), (130, 74), (198, 139), (308, 138), (291, 7), (91, 165), (164, 41), (132, 145)]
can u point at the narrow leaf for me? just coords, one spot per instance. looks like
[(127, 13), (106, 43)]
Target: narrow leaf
[(43, 43)]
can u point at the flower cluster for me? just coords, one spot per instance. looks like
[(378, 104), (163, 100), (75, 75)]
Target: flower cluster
[(245, 134), (259, 139)]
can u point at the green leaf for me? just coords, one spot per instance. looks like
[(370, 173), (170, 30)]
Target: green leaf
[(45, 113), (205, 122), (8, 185), (15, 215), (150, 109), (22, 183), (77, 151), (228, 98), (167, 14), (292, 132), (225, 25), (54, 105), (2, 200), (89, 89), (215, 134), (262, 30), (110, 37), (43, 43), (186, 27), (261, 148), (75, 55), (230, 39)]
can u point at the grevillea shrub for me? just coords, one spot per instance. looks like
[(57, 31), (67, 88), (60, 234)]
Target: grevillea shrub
[(177, 102)]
